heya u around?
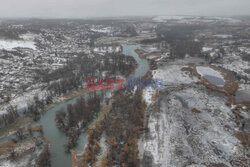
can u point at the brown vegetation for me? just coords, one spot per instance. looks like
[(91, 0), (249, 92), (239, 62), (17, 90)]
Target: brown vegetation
[(93, 147), (194, 110), (36, 128), (217, 165), (190, 69), (95, 131), (140, 53), (123, 126), (240, 162), (7, 147), (244, 137), (25, 143), (44, 158)]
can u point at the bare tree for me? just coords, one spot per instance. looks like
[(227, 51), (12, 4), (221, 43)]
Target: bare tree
[(20, 134)]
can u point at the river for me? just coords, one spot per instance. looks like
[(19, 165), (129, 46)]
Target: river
[(57, 139)]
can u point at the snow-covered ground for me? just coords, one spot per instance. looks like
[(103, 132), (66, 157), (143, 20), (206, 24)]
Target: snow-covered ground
[(206, 49), (223, 36), (179, 136), (235, 63), (172, 74), (102, 30), (22, 101), (189, 125), (11, 44), (109, 49), (27, 152), (148, 94), (27, 42)]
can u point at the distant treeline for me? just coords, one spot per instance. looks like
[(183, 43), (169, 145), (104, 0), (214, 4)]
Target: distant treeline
[(179, 38), (11, 33)]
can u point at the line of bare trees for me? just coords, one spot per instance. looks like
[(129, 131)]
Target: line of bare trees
[(9, 117), (74, 73)]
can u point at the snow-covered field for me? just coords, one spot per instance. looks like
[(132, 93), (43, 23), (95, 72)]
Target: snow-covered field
[(26, 42), (235, 63), (179, 136), (172, 74), (189, 125), (11, 44)]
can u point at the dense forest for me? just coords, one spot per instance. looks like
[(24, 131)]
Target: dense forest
[(122, 127)]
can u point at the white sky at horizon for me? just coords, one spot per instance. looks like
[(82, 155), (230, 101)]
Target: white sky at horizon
[(112, 8)]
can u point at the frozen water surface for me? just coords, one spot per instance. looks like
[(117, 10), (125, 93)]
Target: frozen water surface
[(211, 75)]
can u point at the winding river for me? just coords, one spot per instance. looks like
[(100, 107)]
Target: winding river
[(57, 139)]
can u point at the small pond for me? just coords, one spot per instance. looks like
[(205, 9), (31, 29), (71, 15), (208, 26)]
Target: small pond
[(211, 75)]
